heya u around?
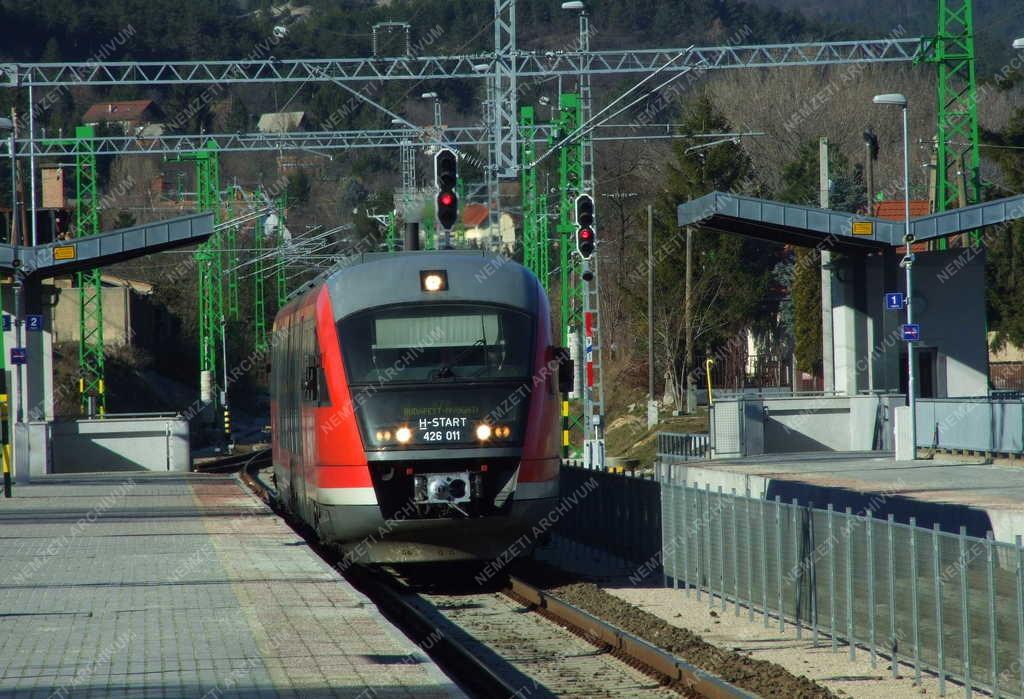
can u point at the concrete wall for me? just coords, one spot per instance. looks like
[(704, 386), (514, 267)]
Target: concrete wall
[(949, 304), (129, 319), (120, 444), (802, 424)]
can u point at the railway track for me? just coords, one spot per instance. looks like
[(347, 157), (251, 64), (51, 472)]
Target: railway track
[(508, 639), (234, 463), (539, 646)]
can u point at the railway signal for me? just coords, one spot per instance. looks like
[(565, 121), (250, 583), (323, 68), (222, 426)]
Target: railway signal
[(446, 174), (586, 238)]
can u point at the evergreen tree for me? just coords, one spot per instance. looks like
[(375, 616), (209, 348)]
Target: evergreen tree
[(730, 273), (1005, 259)]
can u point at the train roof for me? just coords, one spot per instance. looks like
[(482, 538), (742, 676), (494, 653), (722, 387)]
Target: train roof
[(381, 279)]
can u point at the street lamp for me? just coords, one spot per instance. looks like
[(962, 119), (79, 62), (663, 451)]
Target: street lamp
[(1019, 44), (898, 100), (437, 111)]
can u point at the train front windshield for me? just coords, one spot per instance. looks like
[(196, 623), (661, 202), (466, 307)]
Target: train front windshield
[(431, 375), (436, 344)]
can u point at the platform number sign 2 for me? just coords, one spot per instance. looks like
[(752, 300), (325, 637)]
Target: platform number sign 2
[(33, 322)]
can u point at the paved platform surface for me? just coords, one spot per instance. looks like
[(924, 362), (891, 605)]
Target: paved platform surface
[(947, 491), (183, 585)]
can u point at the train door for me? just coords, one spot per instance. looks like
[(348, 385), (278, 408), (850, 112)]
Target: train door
[(294, 453)]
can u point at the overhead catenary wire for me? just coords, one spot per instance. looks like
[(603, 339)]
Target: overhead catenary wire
[(587, 126)]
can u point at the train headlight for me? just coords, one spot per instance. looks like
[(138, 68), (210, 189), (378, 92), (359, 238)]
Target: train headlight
[(383, 435), (483, 432), (502, 431), (403, 434), (434, 280)]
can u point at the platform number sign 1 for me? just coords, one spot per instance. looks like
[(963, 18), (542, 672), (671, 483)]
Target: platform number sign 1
[(33, 322), (894, 301)]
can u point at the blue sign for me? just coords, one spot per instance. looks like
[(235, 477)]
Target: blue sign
[(7, 322), (18, 355), (911, 332), (33, 322), (894, 301)]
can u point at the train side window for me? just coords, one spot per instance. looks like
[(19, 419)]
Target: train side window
[(311, 379)]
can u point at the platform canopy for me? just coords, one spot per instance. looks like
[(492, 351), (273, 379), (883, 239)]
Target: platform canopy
[(67, 256), (837, 230)]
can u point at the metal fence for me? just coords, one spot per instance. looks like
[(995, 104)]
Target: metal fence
[(974, 424), (937, 601), (612, 513), (683, 446)]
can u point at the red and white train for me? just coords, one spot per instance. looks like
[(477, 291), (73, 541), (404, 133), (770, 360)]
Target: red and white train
[(415, 406)]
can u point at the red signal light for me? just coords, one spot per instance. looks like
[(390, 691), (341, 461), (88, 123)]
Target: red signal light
[(446, 199), (586, 234)]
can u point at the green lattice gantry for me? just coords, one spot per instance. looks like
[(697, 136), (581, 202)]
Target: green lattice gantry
[(91, 380)]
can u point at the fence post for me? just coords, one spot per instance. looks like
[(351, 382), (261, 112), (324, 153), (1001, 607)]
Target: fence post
[(813, 573), (894, 641), (798, 566), (735, 558), (686, 537), (915, 626), (721, 548), (698, 562), (965, 613), (668, 504), (1020, 610), (778, 557), (707, 549), (869, 526), (832, 579), (764, 562), (849, 584), (750, 559), (939, 636), (990, 575)]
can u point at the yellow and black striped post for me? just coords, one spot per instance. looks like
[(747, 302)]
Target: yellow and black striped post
[(565, 429), (5, 433), (227, 422)]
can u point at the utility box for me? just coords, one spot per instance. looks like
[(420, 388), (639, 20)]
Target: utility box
[(901, 433)]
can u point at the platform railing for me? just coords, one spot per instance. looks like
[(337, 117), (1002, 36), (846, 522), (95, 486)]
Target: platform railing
[(940, 602), (683, 446)]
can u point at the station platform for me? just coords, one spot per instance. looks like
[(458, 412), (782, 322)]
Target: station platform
[(953, 493), (183, 585)]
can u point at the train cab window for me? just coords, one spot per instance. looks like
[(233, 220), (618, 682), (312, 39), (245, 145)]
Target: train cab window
[(446, 342)]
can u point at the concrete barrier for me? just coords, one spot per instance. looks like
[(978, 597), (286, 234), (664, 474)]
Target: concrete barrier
[(120, 443)]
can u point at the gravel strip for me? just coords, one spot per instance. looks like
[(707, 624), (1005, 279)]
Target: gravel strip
[(835, 671), (761, 677)]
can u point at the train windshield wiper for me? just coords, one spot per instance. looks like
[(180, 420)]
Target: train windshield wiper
[(445, 372)]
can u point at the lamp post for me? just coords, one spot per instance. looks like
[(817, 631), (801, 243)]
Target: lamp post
[(437, 112), (8, 126), (898, 100), (1019, 44)]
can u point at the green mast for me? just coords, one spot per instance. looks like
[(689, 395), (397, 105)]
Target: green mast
[(957, 138), (91, 384), (259, 305), (280, 277), (209, 260), (528, 184), (231, 256), (570, 180)]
